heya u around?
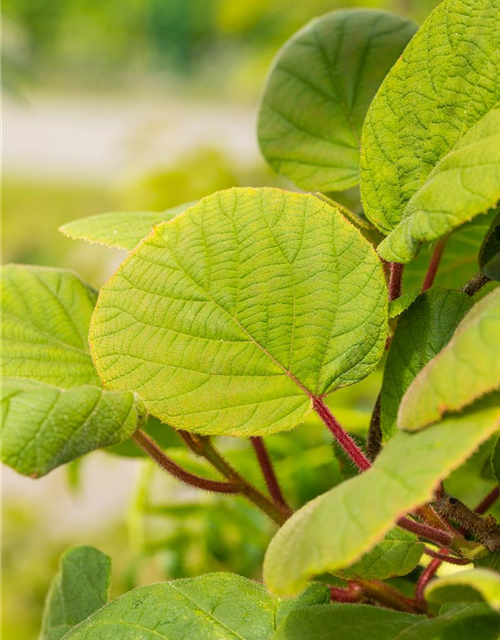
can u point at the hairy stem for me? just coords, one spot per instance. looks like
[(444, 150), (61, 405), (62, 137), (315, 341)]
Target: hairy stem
[(395, 280), (488, 501), (342, 437), (150, 448), (444, 557), (202, 446), (442, 538), (475, 284), (424, 579), (388, 596), (353, 594), (374, 440), (437, 254), (484, 528), (268, 471)]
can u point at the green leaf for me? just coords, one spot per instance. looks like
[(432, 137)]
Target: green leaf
[(335, 530), (431, 140), (46, 426), (397, 306), (80, 588), (122, 230), (459, 260), (364, 622), (396, 555), (445, 383), (423, 330), (54, 409), (495, 460), (466, 586), (229, 318), (217, 605), (318, 91), (489, 256)]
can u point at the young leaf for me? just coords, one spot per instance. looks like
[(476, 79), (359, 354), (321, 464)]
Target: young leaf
[(319, 90), (333, 531), (230, 318), (80, 587), (217, 605), (445, 383), (396, 555), (466, 586), (364, 622), (489, 256), (423, 330), (120, 230), (54, 409), (397, 306), (431, 140)]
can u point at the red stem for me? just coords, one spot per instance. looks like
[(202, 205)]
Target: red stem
[(395, 280), (268, 472), (442, 538), (444, 557), (351, 595), (149, 446), (341, 436), (488, 501), (425, 577), (434, 264)]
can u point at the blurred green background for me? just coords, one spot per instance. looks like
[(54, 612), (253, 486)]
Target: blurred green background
[(142, 104)]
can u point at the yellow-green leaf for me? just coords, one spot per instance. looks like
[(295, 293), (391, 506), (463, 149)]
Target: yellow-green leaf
[(466, 586), (231, 317)]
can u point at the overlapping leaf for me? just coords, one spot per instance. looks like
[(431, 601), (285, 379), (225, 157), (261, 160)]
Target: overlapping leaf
[(431, 140), (333, 531), (122, 230), (466, 586), (363, 622), (229, 318), (80, 588), (319, 90), (489, 256), (217, 605), (467, 368), (54, 409), (423, 330)]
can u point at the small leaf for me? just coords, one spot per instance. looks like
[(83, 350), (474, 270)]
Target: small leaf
[(80, 588), (335, 530), (364, 622), (217, 605), (489, 256), (54, 409), (445, 383), (120, 230), (396, 555), (319, 90), (431, 140), (466, 586), (423, 330), (397, 306), (229, 318)]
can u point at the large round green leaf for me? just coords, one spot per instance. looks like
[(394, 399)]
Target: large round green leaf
[(431, 139), (319, 90), (230, 318)]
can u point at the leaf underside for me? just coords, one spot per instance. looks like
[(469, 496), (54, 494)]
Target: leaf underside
[(336, 529), (227, 319)]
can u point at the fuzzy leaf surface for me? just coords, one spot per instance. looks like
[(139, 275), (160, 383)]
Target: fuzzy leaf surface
[(120, 230), (53, 407), (431, 140), (318, 92), (466, 586), (423, 330), (336, 529), (80, 588), (229, 318), (218, 606), (466, 369)]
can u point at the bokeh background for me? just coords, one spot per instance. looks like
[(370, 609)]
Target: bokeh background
[(141, 105)]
